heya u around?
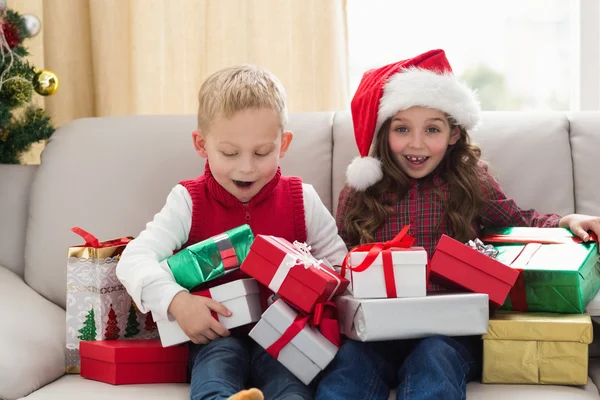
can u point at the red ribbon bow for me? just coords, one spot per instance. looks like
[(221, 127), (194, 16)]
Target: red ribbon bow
[(402, 240), (325, 318), (92, 241)]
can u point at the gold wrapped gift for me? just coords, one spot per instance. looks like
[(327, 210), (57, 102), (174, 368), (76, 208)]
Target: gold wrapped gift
[(537, 348)]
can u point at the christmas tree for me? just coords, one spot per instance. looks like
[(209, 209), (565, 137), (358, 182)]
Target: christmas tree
[(21, 122), (112, 330), (150, 324), (88, 331), (133, 326)]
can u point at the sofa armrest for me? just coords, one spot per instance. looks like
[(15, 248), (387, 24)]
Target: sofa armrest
[(15, 181), (32, 338)]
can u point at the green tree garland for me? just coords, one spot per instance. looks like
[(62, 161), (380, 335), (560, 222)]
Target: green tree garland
[(21, 123)]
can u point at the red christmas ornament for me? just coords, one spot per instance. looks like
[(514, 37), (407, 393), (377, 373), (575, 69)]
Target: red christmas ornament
[(11, 34)]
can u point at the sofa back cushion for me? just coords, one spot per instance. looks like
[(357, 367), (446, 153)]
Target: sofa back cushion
[(585, 144)]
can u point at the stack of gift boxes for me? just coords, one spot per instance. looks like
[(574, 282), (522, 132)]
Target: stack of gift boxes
[(524, 290), (389, 300), (540, 281), (276, 288)]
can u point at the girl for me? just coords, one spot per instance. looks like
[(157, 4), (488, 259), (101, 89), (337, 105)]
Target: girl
[(413, 118)]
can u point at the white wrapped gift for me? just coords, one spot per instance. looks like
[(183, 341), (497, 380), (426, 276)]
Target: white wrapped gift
[(308, 352), (459, 314), (407, 274), (241, 297)]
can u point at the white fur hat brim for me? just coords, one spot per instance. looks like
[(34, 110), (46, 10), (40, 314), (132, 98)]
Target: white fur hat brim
[(421, 87)]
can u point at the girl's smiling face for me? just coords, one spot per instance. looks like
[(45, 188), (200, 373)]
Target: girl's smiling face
[(419, 138)]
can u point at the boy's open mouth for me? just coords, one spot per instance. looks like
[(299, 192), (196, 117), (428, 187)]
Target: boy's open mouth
[(416, 160), (243, 184)]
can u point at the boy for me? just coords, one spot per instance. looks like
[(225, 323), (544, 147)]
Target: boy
[(241, 120)]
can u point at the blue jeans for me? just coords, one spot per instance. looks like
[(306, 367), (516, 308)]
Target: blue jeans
[(437, 367), (227, 365)]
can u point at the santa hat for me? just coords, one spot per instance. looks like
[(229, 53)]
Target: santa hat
[(427, 81)]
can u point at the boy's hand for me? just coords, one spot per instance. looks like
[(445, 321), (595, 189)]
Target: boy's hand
[(580, 224), (193, 316)]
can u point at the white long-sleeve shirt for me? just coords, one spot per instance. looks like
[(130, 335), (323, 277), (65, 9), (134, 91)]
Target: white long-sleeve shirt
[(145, 274)]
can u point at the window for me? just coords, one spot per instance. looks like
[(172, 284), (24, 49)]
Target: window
[(518, 54)]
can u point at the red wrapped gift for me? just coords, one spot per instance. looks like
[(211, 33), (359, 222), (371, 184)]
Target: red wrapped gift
[(290, 271), (455, 263), (123, 362)]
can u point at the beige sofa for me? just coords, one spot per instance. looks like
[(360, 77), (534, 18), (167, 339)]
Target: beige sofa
[(110, 175)]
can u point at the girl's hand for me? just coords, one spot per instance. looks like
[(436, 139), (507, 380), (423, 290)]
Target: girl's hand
[(580, 224)]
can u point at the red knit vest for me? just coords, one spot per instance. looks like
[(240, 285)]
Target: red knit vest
[(278, 209)]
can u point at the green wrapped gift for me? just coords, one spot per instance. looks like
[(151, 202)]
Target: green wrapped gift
[(560, 273), (211, 258)]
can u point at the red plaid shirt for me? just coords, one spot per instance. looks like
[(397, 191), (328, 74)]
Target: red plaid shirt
[(422, 209)]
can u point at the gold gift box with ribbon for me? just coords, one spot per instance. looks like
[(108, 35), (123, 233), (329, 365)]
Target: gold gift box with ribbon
[(537, 348)]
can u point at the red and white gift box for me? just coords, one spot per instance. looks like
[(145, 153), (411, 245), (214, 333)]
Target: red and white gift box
[(123, 362), (241, 297), (294, 342), (388, 269), (290, 271)]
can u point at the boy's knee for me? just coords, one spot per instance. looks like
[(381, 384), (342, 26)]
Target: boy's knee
[(222, 347)]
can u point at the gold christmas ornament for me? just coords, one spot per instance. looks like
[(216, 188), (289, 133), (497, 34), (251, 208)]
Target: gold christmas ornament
[(45, 82)]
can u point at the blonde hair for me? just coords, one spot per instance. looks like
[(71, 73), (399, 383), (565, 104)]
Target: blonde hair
[(238, 88)]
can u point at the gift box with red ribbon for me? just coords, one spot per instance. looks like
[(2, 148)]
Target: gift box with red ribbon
[(454, 264), (304, 344), (241, 297), (125, 362), (292, 272), (98, 306), (389, 269), (211, 258), (558, 272)]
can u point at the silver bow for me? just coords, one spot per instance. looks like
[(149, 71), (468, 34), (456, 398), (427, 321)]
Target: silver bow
[(486, 249)]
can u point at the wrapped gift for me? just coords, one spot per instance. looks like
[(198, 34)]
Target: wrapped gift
[(389, 269), (537, 348), (241, 297), (98, 306), (296, 341), (558, 272), (292, 272), (456, 314), (133, 362), (211, 258), (455, 264)]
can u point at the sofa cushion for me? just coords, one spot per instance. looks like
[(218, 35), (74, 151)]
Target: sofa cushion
[(526, 151), (479, 391), (33, 338), (71, 387), (530, 153), (111, 175), (14, 198), (585, 144)]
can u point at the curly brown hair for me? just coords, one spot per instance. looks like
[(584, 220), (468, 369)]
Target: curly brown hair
[(368, 210)]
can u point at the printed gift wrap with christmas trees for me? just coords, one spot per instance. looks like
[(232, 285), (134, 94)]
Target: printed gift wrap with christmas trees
[(98, 306), (22, 123)]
